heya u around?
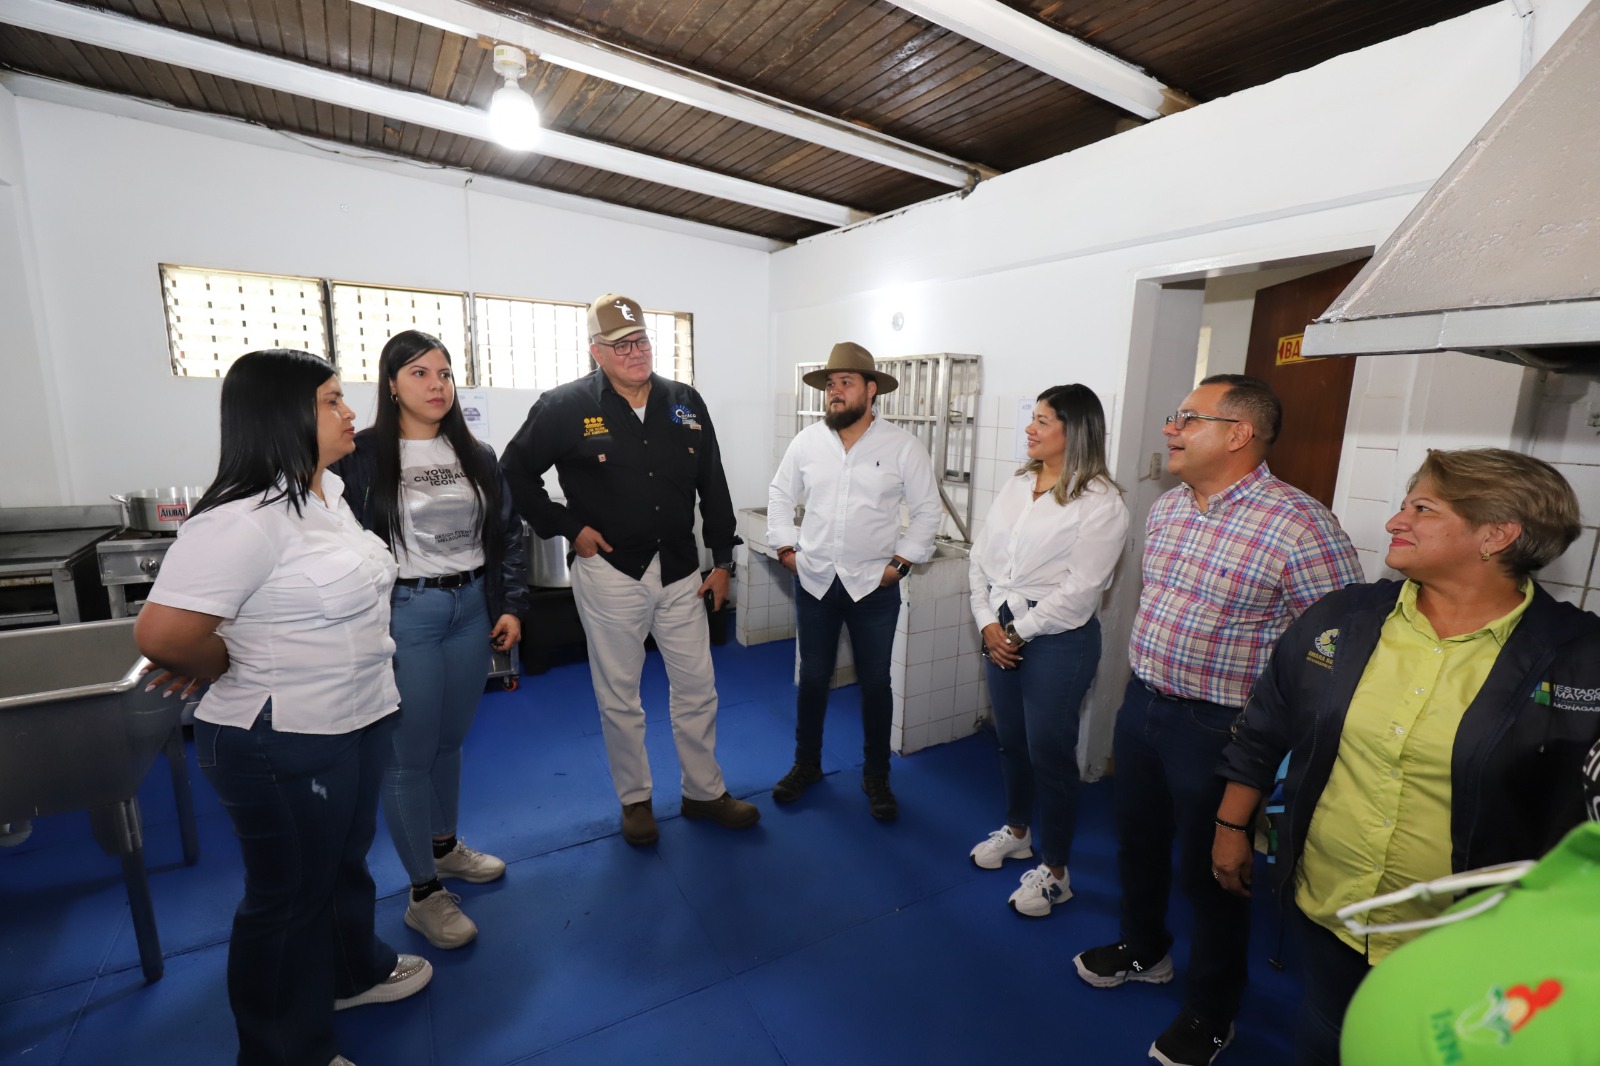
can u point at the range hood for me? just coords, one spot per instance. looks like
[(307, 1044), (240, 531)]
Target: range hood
[(1502, 256)]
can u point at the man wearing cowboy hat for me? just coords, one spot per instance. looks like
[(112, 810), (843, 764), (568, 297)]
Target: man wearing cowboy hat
[(851, 472)]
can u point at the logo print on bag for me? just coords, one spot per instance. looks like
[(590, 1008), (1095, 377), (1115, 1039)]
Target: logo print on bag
[(1502, 1014)]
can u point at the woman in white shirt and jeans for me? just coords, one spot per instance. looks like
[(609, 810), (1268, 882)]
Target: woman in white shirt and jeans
[(1044, 556), (435, 495), (275, 593)]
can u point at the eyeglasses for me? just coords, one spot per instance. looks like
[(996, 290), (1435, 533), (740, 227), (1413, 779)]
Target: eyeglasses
[(1183, 418), (627, 347)]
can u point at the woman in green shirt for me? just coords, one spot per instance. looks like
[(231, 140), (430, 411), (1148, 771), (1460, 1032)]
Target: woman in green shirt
[(1428, 722)]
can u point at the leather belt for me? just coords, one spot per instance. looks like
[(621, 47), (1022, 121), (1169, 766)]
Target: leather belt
[(443, 581)]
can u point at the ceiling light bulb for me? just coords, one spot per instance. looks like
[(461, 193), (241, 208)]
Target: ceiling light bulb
[(513, 116)]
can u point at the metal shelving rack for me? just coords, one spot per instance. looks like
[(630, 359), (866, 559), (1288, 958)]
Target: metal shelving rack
[(938, 402)]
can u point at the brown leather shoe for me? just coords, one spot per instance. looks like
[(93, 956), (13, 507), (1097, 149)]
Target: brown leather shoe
[(724, 810), (639, 824)]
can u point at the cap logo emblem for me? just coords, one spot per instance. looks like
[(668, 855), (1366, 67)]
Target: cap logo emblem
[(624, 310)]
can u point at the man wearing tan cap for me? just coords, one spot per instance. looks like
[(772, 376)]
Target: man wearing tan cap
[(851, 472), (633, 450)]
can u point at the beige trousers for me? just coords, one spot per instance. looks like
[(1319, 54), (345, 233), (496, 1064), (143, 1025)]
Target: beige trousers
[(617, 613)]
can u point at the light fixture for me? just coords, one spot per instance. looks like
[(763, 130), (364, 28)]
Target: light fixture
[(513, 116)]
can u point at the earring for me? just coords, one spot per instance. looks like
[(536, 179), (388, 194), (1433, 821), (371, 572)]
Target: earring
[(1485, 556), (394, 397)]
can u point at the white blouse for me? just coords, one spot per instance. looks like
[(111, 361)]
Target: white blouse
[(1059, 558), (305, 603)]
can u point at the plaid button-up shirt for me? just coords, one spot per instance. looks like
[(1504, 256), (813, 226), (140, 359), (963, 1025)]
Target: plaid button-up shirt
[(1221, 585)]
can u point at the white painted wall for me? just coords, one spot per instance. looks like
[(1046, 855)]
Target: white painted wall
[(1037, 271), (30, 434), (110, 197)]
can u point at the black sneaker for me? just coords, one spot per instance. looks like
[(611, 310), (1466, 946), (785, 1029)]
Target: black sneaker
[(801, 775), (1190, 1041), (884, 807), (1114, 964)]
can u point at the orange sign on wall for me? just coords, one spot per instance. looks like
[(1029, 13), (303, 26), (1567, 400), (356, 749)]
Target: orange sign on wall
[(1289, 349)]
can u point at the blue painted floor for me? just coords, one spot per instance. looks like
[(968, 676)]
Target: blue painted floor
[(819, 937)]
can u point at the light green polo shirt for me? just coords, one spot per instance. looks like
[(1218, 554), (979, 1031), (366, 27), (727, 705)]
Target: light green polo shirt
[(1383, 821)]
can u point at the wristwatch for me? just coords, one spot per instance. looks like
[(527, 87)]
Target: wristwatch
[(901, 567), (730, 566)]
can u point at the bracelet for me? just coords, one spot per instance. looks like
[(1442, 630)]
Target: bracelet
[(784, 553), (1229, 825)]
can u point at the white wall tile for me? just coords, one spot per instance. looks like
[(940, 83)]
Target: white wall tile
[(1382, 422), (967, 638), (916, 711), (942, 702), (939, 731), (1372, 475), (966, 701), (969, 664), (1564, 593), (963, 726), (949, 609), (922, 617), (915, 739), (1585, 482), (946, 642), (1364, 520), (919, 648), (919, 679), (943, 675), (1575, 566)]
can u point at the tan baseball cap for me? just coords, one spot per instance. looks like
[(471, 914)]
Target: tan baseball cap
[(847, 355), (614, 316)]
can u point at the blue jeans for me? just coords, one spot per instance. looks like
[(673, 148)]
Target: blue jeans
[(1332, 971), (1036, 721), (1166, 787), (441, 658), (305, 809), (872, 622)]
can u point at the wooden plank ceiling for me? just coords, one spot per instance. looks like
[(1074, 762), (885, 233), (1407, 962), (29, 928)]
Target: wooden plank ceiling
[(866, 62)]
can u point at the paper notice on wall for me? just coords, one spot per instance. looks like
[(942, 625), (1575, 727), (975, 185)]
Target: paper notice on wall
[(475, 409), (1024, 416)]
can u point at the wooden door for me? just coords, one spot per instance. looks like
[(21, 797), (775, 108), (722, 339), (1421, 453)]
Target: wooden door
[(1315, 392)]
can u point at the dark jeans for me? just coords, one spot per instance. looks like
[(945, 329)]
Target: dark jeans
[(1166, 787), (1036, 722), (305, 809), (1332, 970), (872, 622)]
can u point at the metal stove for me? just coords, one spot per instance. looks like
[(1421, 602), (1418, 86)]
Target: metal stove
[(47, 564), (129, 562)]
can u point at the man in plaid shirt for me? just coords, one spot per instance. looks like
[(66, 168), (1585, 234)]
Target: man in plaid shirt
[(1231, 557)]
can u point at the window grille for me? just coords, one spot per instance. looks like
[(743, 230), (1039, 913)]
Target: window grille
[(366, 316), (539, 344), (215, 316)]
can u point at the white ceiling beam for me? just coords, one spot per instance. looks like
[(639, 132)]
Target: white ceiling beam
[(1060, 55), (134, 37), (572, 50)]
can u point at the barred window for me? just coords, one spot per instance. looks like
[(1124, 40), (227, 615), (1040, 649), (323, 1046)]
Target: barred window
[(539, 344), (366, 316), (215, 316)]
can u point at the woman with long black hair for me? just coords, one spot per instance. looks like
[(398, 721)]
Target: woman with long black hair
[(274, 593), (434, 494)]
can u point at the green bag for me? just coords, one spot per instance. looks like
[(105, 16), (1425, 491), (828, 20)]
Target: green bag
[(1517, 983)]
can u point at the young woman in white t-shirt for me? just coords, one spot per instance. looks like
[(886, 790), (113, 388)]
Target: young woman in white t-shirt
[(434, 494), (275, 593)]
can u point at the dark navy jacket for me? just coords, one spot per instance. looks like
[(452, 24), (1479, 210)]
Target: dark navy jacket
[(1516, 770), (505, 564)]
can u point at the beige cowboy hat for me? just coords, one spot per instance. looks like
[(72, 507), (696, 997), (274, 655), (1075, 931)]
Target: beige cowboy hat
[(856, 359)]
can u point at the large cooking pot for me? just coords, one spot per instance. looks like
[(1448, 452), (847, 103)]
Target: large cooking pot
[(158, 510)]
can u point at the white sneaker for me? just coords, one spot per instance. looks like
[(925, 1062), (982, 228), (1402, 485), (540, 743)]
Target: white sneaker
[(1039, 892), (1002, 845), (410, 975), (439, 918), (469, 864)]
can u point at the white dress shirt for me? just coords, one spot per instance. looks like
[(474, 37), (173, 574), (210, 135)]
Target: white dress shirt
[(852, 499), (305, 603), (1059, 558)]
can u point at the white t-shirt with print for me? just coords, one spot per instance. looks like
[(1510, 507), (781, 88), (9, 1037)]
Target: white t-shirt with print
[(441, 531)]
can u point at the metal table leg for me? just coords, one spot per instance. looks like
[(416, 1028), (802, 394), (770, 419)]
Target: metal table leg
[(184, 795), (117, 829)]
